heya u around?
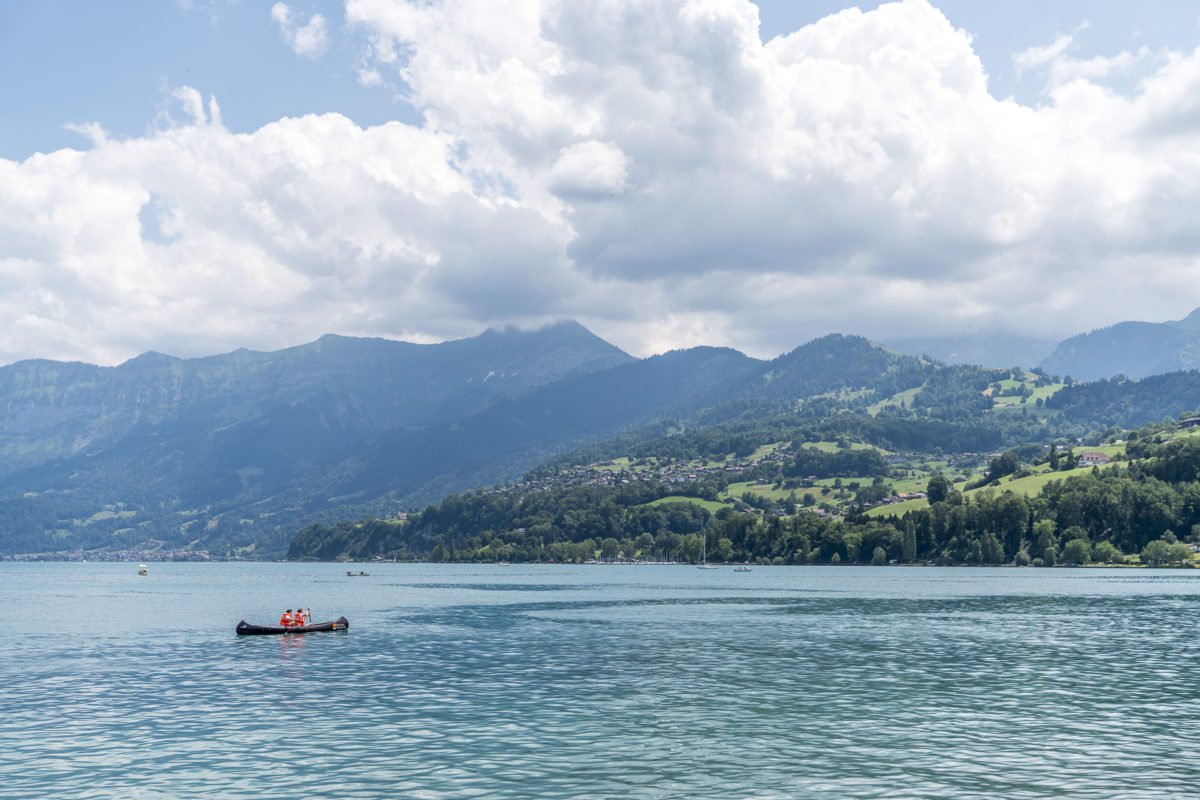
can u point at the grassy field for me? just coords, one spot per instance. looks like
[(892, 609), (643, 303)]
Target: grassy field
[(1027, 486), (1046, 392), (905, 397), (712, 505), (1024, 486), (906, 485), (1110, 450), (1011, 404), (736, 490), (899, 509), (832, 447), (616, 465)]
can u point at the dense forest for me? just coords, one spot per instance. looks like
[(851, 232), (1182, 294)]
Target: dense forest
[(1128, 403)]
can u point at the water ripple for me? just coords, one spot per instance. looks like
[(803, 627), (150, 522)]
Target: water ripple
[(463, 685)]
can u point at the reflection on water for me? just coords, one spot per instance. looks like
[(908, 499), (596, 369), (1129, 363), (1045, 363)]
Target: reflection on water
[(608, 682), (289, 646)]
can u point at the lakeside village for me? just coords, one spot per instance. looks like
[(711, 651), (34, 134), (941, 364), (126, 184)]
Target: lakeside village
[(612, 473), (145, 552)]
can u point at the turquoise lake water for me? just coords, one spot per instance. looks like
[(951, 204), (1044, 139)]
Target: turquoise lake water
[(460, 681)]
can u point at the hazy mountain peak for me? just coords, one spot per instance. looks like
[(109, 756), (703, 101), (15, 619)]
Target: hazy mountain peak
[(567, 329), (1190, 322), (151, 358), (1133, 349)]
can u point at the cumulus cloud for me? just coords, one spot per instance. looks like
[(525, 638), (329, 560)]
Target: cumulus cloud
[(195, 240), (863, 150), (308, 40), (650, 167)]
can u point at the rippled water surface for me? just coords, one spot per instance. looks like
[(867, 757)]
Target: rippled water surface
[(595, 682)]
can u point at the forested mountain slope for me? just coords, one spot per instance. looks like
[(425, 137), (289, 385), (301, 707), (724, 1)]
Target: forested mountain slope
[(1132, 349), (98, 456), (414, 467), (1129, 403), (832, 373)]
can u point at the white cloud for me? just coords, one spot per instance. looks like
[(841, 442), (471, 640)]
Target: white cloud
[(589, 169), (1061, 67), (864, 149), (308, 40), (306, 225), (192, 103), (1041, 55), (650, 167), (369, 77)]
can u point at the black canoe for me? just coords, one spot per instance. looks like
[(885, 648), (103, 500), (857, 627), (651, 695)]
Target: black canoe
[(246, 629)]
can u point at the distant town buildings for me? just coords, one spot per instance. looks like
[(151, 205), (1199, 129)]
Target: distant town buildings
[(607, 473), (136, 554)]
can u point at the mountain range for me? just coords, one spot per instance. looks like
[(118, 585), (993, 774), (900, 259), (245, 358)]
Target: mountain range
[(228, 452), (232, 453)]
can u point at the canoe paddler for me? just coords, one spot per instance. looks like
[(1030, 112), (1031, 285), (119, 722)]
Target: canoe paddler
[(286, 619), (298, 617)]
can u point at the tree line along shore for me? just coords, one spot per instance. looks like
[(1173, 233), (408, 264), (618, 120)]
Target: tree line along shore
[(1143, 508)]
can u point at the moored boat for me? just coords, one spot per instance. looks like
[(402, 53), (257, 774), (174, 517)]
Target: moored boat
[(246, 629)]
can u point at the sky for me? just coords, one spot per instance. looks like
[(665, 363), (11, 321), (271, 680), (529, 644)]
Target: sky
[(199, 176)]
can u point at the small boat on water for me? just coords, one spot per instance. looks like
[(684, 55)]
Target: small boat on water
[(142, 570), (246, 629), (359, 574), (741, 569)]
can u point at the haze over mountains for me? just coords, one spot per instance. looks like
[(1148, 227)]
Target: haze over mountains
[(231, 453), (1132, 349), (992, 349)]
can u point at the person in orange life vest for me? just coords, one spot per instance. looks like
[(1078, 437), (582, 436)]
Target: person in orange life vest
[(298, 617), (286, 619)]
